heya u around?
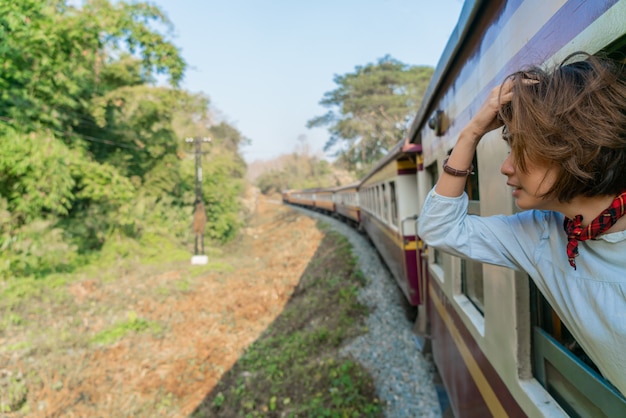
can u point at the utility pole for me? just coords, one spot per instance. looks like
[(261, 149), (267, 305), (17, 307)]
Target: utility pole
[(199, 215)]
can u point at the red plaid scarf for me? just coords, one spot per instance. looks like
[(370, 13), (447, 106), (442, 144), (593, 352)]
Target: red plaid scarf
[(604, 221)]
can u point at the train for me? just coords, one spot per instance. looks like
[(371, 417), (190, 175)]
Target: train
[(499, 347)]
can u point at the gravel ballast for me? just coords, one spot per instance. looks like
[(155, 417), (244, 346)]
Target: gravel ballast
[(402, 375)]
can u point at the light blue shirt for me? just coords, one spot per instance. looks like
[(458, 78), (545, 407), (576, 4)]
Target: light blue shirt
[(590, 300)]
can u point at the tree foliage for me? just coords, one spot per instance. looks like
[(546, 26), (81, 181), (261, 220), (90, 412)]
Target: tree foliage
[(54, 55), (92, 152), (370, 109)]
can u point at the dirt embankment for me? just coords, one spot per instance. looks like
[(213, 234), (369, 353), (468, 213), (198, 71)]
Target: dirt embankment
[(181, 329)]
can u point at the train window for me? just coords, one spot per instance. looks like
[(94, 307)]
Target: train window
[(377, 210), (472, 271), (433, 172), (564, 369), (617, 50), (559, 363), (394, 203), (373, 200), (379, 200), (471, 186), (385, 211), (472, 283)]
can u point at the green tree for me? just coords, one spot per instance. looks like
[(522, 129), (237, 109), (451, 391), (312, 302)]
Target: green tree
[(228, 135), (370, 109), (59, 63), (54, 55), (92, 153)]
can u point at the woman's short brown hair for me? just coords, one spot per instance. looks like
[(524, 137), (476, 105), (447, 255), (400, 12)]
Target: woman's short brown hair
[(574, 119)]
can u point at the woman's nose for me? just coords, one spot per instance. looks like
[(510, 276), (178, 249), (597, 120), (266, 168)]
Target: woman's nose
[(507, 167)]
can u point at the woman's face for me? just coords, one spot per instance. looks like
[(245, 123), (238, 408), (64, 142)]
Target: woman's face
[(529, 186)]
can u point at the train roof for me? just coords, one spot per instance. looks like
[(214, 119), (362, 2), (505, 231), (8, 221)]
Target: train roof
[(468, 14), (329, 189), (347, 186), (312, 190)]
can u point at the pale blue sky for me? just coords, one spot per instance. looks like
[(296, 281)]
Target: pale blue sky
[(266, 64)]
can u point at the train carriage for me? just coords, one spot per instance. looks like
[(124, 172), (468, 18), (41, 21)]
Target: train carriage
[(324, 201), (498, 344), (301, 197), (388, 215), (346, 200), (285, 196)]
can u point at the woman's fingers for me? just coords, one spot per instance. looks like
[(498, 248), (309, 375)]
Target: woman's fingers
[(506, 97), (487, 117)]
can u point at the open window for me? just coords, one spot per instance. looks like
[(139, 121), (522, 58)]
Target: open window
[(433, 173), (559, 363), (385, 208), (472, 271), (563, 368), (394, 203)]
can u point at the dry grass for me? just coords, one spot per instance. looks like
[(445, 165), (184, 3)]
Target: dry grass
[(156, 340)]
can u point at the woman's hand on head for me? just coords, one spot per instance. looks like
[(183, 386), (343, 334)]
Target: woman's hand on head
[(487, 117)]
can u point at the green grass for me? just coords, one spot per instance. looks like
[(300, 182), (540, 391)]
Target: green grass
[(294, 369), (132, 325), (153, 254), (13, 392)]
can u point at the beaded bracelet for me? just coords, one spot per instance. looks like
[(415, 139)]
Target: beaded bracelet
[(455, 172)]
